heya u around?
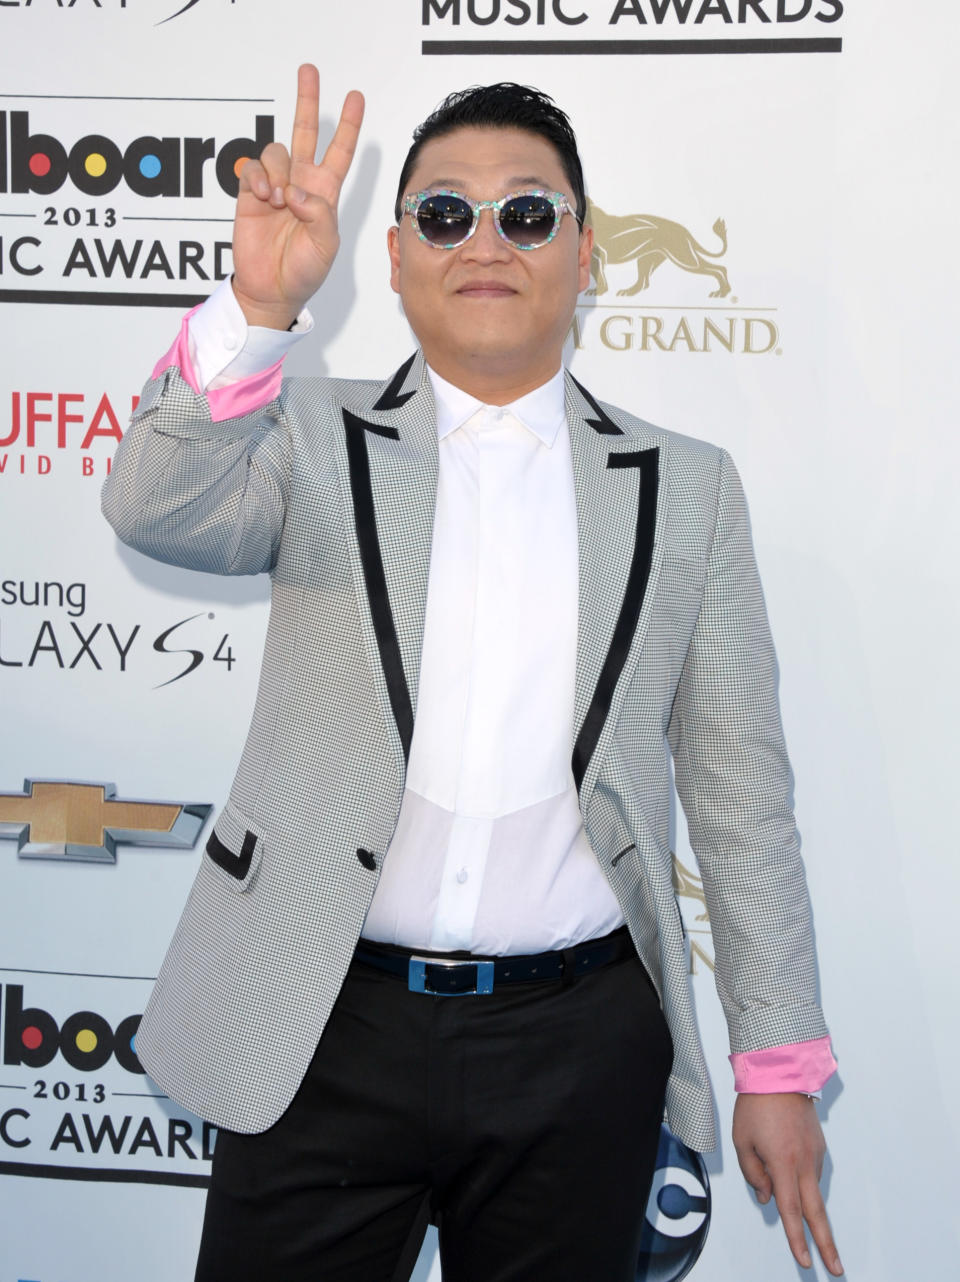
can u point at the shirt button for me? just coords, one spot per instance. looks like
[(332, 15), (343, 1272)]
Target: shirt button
[(462, 876), (230, 342)]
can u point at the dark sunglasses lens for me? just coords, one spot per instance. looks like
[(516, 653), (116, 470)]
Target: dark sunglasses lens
[(444, 220), (528, 220)]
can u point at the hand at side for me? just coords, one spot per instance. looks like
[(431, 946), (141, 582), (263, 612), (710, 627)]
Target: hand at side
[(781, 1149)]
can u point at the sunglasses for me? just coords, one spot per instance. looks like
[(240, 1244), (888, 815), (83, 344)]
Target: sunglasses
[(524, 219)]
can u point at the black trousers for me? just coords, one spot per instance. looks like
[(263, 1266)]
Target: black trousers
[(524, 1123)]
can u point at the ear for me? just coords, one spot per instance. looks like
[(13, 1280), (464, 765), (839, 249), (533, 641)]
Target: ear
[(393, 249), (584, 251)]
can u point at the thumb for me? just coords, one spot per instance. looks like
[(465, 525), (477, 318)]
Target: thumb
[(318, 224), (755, 1173), (308, 208)]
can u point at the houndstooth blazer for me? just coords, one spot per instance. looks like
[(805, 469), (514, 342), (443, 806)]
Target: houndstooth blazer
[(330, 488)]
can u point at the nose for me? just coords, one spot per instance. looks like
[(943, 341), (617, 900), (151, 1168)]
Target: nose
[(486, 245)]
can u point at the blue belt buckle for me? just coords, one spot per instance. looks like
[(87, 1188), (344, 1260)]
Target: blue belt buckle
[(417, 976)]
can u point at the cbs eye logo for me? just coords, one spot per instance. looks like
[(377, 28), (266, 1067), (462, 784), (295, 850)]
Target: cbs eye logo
[(678, 1214)]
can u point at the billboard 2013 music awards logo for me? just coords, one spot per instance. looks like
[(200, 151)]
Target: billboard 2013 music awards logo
[(75, 1102), (90, 203)]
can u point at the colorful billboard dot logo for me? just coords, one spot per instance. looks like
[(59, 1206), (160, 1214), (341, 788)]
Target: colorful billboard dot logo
[(85, 1039), (96, 165), (32, 1038)]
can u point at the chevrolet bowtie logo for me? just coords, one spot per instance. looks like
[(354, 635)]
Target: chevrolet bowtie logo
[(58, 819)]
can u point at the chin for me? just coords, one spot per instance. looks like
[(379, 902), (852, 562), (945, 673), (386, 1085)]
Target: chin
[(496, 351), (468, 345)]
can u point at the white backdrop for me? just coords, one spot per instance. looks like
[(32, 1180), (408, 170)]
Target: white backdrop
[(834, 174)]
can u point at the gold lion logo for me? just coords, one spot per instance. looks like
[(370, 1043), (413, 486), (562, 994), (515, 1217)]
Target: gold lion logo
[(689, 885), (648, 242)]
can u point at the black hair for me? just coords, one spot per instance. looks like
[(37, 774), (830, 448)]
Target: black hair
[(501, 106)]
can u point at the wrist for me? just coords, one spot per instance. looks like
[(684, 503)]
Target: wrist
[(280, 315)]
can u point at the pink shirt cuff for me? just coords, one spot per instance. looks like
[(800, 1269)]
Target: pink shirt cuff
[(798, 1066), (233, 401)]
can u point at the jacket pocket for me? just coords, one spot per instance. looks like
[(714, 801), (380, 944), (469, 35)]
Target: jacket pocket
[(235, 849)]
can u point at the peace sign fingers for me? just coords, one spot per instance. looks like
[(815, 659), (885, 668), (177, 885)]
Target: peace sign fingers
[(324, 179), (285, 232)]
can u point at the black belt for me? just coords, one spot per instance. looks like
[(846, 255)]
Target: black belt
[(461, 974)]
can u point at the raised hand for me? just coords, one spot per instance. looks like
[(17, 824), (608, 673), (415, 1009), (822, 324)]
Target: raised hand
[(285, 234)]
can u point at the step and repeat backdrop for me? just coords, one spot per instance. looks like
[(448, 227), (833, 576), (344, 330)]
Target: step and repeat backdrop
[(772, 187)]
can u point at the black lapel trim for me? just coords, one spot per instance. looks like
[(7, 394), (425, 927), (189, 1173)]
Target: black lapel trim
[(236, 865), (391, 398), (602, 423), (593, 722), (378, 429), (630, 458), (373, 573)]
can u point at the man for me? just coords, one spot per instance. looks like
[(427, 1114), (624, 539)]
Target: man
[(495, 601)]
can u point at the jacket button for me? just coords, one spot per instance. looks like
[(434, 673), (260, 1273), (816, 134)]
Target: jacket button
[(366, 858)]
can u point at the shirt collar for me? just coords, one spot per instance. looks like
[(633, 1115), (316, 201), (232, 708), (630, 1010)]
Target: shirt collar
[(540, 411)]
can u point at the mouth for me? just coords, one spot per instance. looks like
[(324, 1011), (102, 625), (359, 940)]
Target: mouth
[(485, 289)]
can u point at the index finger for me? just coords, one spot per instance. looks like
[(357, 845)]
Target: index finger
[(306, 120)]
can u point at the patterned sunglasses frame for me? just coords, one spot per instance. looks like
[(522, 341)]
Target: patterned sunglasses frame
[(561, 205)]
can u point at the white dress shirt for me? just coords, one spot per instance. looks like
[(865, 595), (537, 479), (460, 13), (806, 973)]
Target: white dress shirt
[(489, 852)]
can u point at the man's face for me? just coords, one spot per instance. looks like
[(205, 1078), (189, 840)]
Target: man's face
[(486, 309)]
